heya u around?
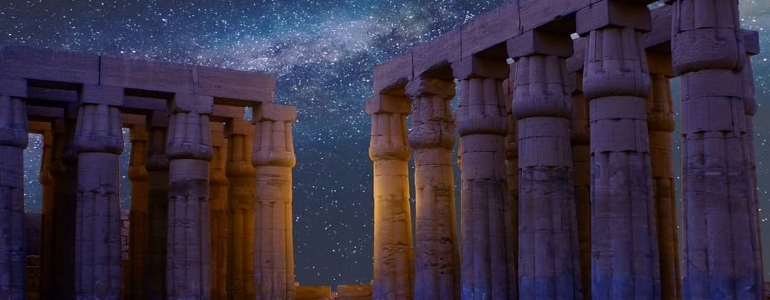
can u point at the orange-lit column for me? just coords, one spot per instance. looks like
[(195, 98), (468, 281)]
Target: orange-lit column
[(218, 204), (157, 205), (138, 238)]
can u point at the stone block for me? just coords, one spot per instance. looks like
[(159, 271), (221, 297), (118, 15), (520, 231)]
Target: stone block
[(238, 127), (101, 94), (224, 112), (234, 84), (536, 13), (13, 87), (48, 64), (577, 60), (751, 41), (388, 104), (490, 29), (124, 232), (660, 30), (49, 94), (132, 120), (391, 76), (432, 58), (354, 292), (192, 103), (537, 42), (146, 75), (613, 13), (276, 112), (313, 292), (144, 103), (44, 112), (474, 66)]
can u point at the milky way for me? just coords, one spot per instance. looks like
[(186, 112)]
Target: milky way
[(323, 54)]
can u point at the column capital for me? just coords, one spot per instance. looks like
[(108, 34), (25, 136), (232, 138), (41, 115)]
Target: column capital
[(273, 141), (189, 136), (387, 104), (482, 108), (616, 13), (13, 122), (542, 88), (432, 123), (388, 140), (477, 67), (536, 42), (99, 129), (616, 64)]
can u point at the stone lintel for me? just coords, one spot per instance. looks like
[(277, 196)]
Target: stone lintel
[(144, 103), (222, 113), (275, 112), (217, 134), (101, 94), (157, 118), (577, 60), (358, 290), (49, 64), (234, 84), (45, 112), (536, 42), (607, 13), (13, 87), (534, 14), (313, 292), (237, 126), (393, 75), (146, 75), (131, 120), (55, 95), (751, 41), (478, 67), (490, 29), (660, 33), (433, 57), (191, 103), (658, 63), (388, 104), (38, 126)]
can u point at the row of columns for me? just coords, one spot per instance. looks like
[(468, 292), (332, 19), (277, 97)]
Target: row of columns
[(586, 207), (197, 187)]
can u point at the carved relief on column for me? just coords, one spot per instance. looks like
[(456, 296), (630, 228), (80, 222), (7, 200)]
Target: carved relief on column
[(512, 170), (241, 211), (487, 244), (157, 205), (549, 265), (138, 234), (437, 261), (720, 234), (189, 151), (218, 204), (273, 157), (13, 140), (99, 143), (660, 123), (389, 151)]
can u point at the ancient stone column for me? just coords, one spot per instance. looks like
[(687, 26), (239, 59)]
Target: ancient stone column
[(389, 151), (188, 149), (47, 226), (512, 170), (138, 218), (719, 231), (437, 262), (157, 205), (218, 205), (273, 157), (660, 124), (240, 209), (581, 166), (549, 266), (13, 254), (487, 244), (99, 143), (616, 83)]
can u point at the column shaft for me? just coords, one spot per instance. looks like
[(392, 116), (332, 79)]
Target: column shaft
[(512, 170), (47, 227), (437, 266), (13, 254), (751, 106), (218, 204), (240, 210), (581, 164), (138, 218), (157, 209)]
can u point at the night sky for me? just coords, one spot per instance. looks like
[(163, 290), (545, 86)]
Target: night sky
[(323, 54)]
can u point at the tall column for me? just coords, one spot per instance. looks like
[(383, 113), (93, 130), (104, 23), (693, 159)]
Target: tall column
[(437, 261), (157, 205), (660, 124), (549, 266), (241, 210), (13, 254), (273, 157), (99, 143), (512, 170), (138, 218), (487, 244), (47, 226), (616, 83), (218, 204), (581, 164), (188, 148), (390, 153), (719, 231)]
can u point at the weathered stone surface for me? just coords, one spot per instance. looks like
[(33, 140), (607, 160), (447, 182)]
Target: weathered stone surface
[(145, 75), (438, 53), (393, 75), (138, 218), (233, 84), (490, 29), (581, 165), (13, 87), (605, 13), (313, 292), (354, 292), (157, 167), (218, 205), (101, 94), (48, 64), (542, 43), (512, 173)]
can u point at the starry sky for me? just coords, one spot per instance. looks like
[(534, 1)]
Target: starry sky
[(323, 54)]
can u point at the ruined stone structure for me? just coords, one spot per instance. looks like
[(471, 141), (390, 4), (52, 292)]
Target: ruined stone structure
[(190, 232), (574, 98)]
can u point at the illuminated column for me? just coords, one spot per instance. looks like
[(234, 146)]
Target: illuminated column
[(719, 230), (512, 170), (240, 209), (616, 83), (660, 123), (188, 148), (389, 151), (549, 265), (13, 254), (157, 205), (581, 166), (218, 204), (138, 234), (273, 157), (437, 261), (487, 264), (47, 227)]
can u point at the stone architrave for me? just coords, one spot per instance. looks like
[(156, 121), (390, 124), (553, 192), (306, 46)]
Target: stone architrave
[(189, 150), (720, 234), (218, 205), (241, 211), (157, 205), (549, 265), (437, 261), (512, 170), (13, 140), (99, 143), (390, 153), (660, 124), (487, 259), (138, 218), (581, 166), (273, 157)]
